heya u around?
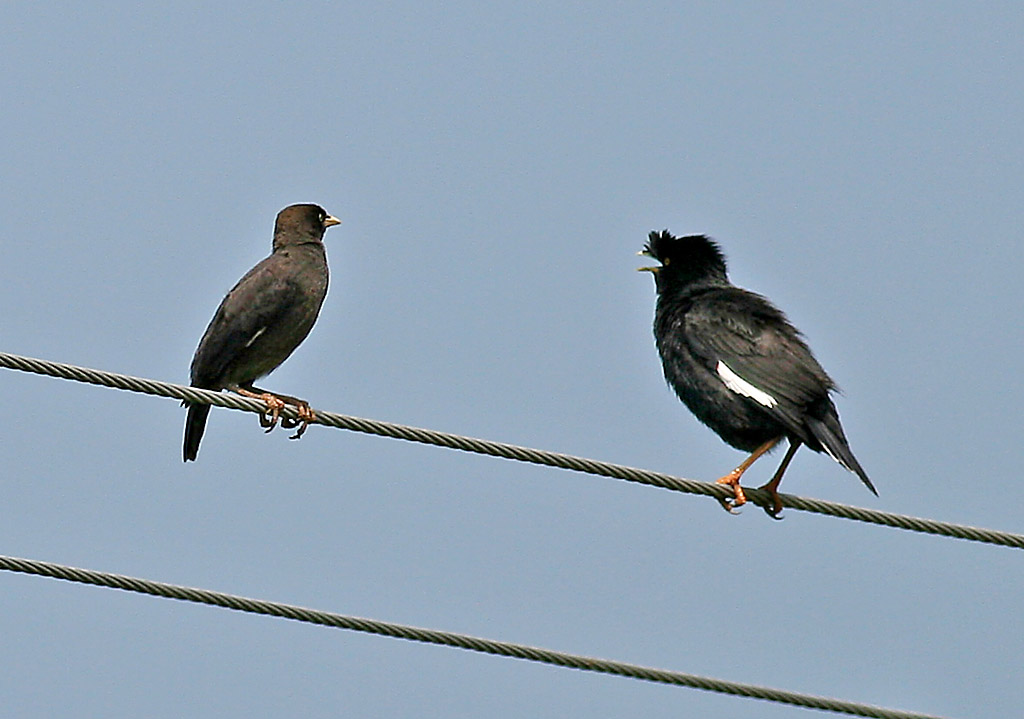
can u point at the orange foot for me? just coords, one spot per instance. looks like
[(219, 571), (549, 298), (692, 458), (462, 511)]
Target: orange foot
[(274, 406), (739, 498), (275, 403), (776, 507), (306, 415)]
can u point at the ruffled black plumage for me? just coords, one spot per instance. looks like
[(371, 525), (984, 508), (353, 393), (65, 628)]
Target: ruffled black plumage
[(734, 358)]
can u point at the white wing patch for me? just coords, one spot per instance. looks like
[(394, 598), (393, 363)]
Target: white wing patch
[(740, 386), (830, 454), (255, 336)]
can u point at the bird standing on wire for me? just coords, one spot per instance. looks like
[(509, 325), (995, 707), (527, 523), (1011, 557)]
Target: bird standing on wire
[(738, 364), (262, 320)]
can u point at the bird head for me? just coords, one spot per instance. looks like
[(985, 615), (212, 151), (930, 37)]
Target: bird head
[(299, 224), (683, 260)]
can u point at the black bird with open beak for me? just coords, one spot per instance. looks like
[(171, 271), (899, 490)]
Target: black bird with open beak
[(738, 364), (262, 320)]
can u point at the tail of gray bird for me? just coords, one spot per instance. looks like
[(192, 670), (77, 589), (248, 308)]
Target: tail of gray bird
[(195, 425), (829, 433)]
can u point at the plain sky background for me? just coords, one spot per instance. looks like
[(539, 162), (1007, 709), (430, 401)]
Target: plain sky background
[(496, 170)]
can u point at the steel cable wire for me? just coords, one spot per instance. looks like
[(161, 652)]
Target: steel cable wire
[(450, 639), (513, 452)]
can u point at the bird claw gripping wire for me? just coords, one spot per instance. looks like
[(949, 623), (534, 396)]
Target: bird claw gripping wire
[(306, 416), (275, 403), (269, 417), (729, 505), (739, 498), (774, 510)]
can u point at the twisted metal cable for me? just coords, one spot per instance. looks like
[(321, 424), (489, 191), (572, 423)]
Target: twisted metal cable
[(451, 639), (511, 451)]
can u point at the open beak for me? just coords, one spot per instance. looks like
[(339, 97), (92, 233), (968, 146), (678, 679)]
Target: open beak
[(646, 253)]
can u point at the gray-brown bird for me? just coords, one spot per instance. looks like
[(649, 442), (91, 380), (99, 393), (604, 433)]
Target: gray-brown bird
[(262, 320)]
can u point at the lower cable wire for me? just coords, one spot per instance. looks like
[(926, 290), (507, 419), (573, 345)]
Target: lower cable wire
[(450, 639)]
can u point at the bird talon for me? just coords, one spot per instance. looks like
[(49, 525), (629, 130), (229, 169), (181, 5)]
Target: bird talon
[(729, 506), (739, 497), (774, 509), (274, 407), (306, 415)]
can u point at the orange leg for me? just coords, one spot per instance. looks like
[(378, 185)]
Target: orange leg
[(733, 478), (773, 486)]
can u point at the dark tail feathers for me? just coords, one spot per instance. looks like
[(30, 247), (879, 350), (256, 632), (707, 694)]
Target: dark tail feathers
[(195, 425), (829, 433)]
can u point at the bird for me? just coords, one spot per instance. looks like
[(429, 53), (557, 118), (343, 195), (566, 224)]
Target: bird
[(739, 365), (261, 321)]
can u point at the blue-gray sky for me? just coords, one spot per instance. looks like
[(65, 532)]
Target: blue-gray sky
[(496, 169)]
